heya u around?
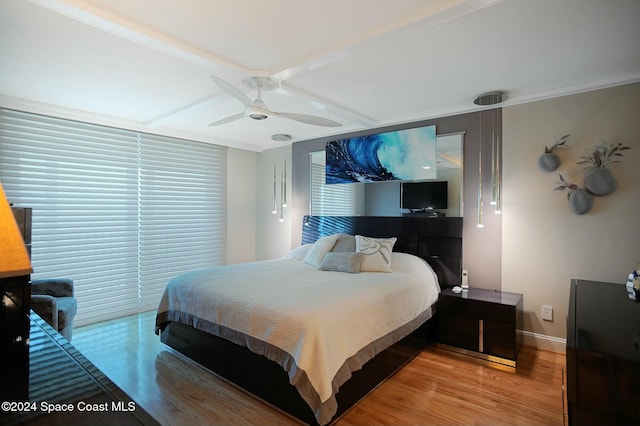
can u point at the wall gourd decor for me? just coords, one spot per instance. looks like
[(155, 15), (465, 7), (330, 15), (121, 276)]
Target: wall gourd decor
[(549, 161), (599, 181), (580, 200)]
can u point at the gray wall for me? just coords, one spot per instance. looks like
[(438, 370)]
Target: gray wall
[(382, 199), (482, 251)]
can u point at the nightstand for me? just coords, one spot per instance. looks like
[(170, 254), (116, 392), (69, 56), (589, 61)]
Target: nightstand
[(481, 323)]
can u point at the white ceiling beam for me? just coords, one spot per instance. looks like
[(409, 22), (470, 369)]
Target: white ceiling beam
[(431, 16), (325, 105), (128, 30), (183, 108)]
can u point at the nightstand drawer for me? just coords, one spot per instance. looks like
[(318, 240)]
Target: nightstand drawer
[(469, 308), (459, 331), (500, 340)]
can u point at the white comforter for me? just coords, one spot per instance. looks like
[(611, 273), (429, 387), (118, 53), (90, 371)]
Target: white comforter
[(320, 318)]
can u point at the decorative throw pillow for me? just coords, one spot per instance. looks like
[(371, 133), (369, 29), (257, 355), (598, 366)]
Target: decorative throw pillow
[(321, 247), (377, 253), (342, 262), (298, 253), (345, 243)]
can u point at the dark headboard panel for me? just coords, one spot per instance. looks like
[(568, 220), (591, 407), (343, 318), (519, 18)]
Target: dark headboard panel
[(434, 239)]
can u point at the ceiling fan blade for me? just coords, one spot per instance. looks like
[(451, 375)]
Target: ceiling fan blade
[(236, 93), (309, 119), (227, 120)]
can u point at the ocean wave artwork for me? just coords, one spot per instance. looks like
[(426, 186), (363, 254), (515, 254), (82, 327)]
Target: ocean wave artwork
[(408, 154)]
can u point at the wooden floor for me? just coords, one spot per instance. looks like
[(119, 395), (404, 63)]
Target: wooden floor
[(436, 388)]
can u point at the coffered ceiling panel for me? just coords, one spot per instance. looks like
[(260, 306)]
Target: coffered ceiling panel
[(147, 64)]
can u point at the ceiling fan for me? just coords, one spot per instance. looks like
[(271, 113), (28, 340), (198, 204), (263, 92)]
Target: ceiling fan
[(258, 110)]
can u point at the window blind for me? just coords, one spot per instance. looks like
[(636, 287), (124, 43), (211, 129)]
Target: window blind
[(182, 211), (331, 200), (117, 211)]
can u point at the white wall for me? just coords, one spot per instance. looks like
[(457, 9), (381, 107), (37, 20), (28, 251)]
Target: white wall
[(544, 244), (241, 205)]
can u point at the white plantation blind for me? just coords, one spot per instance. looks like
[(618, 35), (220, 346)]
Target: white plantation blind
[(331, 200), (99, 217), (182, 211)]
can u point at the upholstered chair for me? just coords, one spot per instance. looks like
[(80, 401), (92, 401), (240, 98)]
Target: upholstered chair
[(53, 299)]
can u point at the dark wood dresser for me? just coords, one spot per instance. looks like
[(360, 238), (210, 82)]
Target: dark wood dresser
[(65, 388), (15, 305), (603, 355)]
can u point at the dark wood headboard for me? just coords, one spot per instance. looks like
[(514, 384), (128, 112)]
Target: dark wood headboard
[(437, 240)]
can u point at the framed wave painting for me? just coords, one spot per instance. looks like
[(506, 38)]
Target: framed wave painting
[(408, 154)]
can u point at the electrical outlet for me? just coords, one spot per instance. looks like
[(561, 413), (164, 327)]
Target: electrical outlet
[(547, 313)]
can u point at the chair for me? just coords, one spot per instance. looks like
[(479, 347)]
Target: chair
[(54, 301)]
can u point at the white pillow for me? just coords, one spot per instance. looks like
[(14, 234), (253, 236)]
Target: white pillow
[(298, 253), (377, 253), (321, 247)]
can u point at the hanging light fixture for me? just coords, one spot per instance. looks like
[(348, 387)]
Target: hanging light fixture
[(284, 195), (498, 168), (493, 158), (492, 98), (275, 207), (282, 204), (283, 191), (480, 201)]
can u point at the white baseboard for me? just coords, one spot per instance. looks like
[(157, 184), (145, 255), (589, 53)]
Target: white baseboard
[(542, 341)]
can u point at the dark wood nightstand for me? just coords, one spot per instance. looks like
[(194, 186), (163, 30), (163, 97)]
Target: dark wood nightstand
[(481, 323)]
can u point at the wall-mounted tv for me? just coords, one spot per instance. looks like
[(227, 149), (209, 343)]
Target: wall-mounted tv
[(418, 196)]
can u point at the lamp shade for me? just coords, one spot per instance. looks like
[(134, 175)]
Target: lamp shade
[(14, 259)]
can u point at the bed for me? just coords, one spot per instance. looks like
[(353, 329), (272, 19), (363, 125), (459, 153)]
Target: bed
[(306, 332)]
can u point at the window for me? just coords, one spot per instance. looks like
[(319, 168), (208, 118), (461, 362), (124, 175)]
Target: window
[(120, 212), (331, 200)]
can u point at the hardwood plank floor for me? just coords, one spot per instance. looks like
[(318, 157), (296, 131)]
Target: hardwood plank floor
[(436, 388)]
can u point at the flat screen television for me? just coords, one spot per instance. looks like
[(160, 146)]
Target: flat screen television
[(424, 195)]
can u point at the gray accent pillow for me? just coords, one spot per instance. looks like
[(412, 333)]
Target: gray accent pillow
[(345, 243), (342, 262)]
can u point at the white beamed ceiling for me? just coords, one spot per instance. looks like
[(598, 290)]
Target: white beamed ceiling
[(146, 64)]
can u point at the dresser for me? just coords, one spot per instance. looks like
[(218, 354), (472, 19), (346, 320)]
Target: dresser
[(14, 320), (65, 388), (603, 355)]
